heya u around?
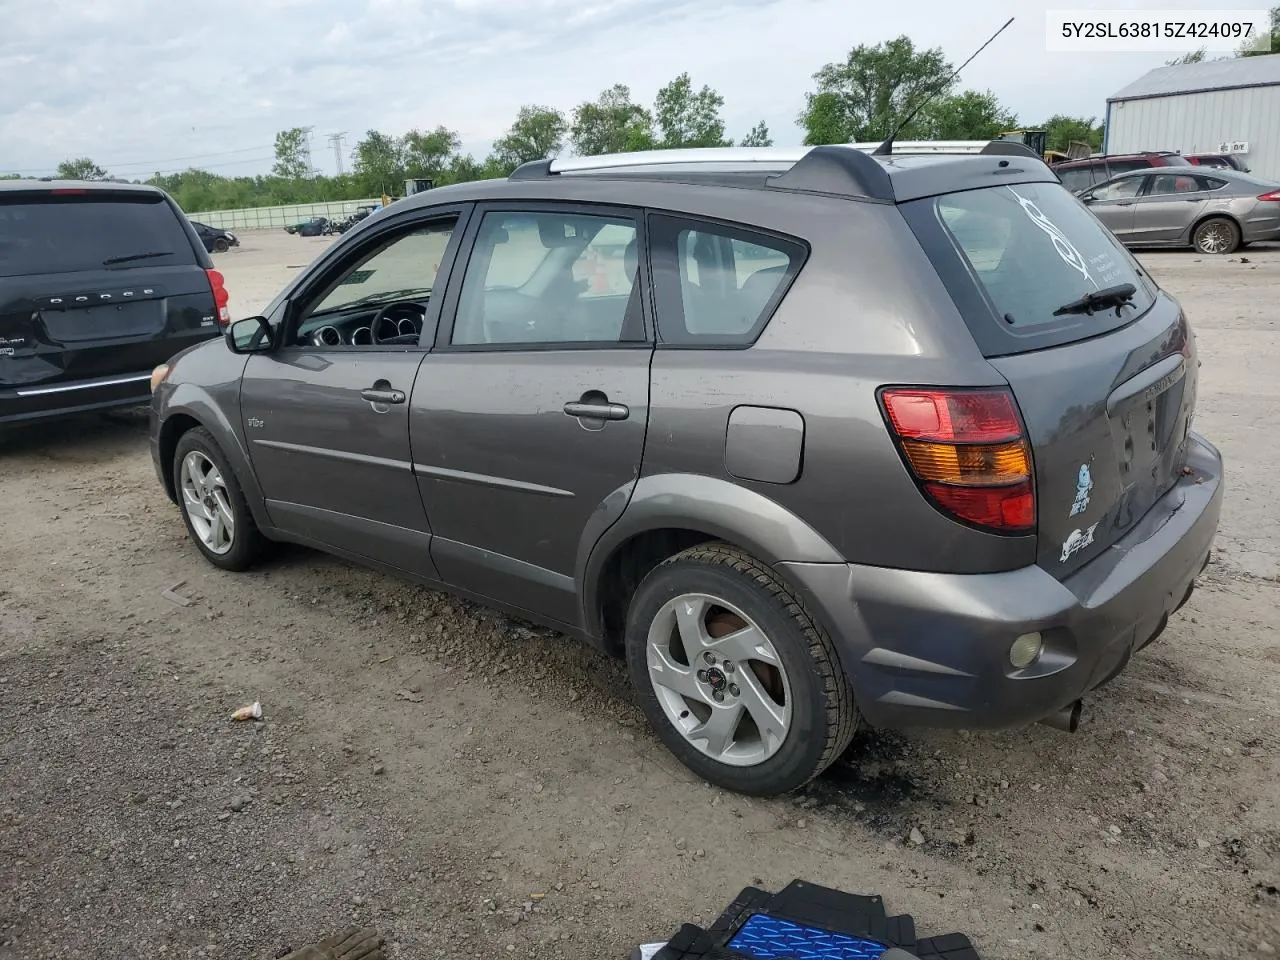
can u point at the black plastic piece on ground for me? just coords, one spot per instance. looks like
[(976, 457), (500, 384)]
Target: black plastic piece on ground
[(823, 911), (837, 171)]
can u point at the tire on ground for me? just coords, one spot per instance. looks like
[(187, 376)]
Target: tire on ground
[(248, 543), (823, 713)]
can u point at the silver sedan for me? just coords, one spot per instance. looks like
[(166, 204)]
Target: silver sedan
[(1213, 211)]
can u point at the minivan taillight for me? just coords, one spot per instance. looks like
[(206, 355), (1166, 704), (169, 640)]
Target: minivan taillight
[(968, 451), (220, 297), (1273, 196)]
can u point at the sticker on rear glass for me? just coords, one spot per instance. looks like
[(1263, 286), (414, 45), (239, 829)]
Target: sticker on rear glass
[(1065, 248), (1078, 540), (1084, 484)]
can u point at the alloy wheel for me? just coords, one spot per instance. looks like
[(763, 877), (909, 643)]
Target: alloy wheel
[(719, 679), (205, 499)]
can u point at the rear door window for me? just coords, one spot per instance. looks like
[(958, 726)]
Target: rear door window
[(1014, 256), (63, 234)]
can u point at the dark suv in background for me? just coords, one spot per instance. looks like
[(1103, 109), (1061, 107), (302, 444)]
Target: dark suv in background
[(99, 283), (810, 437), (1078, 175)]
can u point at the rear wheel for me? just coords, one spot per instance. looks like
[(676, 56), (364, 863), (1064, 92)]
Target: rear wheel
[(218, 519), (735, 677), (1216, 236)]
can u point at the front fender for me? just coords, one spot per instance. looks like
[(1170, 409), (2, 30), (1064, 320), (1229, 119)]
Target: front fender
[(708, 505), (213, 403)]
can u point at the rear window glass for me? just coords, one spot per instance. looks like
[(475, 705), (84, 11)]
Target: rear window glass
[(1014, 255), (64, 234)]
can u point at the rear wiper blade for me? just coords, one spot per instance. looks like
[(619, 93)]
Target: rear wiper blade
[(1115, 296), (137, 256)]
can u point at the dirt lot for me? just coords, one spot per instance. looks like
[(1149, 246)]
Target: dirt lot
[(475, 787)]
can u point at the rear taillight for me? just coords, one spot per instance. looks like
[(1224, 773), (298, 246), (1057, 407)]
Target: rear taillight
[(968, 451), (220, 297), (1273, 196)]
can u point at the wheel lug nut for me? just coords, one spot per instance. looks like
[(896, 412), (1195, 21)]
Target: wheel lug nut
[(733, 689), (728, 666), (717, 696), (702, 676), (709, 657)]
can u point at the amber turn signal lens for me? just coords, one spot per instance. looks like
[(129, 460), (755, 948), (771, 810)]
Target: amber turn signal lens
[(159, 375), (985, 465)]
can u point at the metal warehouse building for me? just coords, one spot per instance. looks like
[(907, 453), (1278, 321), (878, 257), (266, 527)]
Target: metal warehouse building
[(1218, 106)]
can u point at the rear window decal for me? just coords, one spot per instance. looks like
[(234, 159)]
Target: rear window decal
[(1066, 249)]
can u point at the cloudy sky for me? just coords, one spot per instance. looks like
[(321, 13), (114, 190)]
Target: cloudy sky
[(146, 85)]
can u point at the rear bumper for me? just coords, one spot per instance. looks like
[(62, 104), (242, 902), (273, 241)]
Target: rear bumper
[(931, 649), (38, 401)]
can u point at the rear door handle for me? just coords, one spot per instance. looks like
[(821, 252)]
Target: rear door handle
[(597, 411), (375, 395)]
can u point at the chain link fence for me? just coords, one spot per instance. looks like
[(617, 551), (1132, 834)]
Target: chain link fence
[(265, 218)]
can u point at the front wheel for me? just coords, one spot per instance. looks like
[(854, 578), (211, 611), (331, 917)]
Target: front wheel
[(735, 677), (221, 246), (214, 510), (1216, 236)]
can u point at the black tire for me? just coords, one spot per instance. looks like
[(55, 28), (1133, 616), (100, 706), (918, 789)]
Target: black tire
[(823, 713), (221, 246), (1222, 233), (247, 542)]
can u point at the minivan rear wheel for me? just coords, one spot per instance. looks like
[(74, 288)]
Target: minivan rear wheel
[(214, 510), (1216, 236), (735, 677)]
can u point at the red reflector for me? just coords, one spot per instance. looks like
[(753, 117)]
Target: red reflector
[(1274, 196), (220, 297), (68, 191), (953, 416), (1009, 509)]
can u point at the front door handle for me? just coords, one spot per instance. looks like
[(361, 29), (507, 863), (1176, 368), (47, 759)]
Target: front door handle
[(382, 395), (597, 411)]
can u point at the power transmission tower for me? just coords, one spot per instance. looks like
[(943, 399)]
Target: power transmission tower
[(306, 151), (336, 140)]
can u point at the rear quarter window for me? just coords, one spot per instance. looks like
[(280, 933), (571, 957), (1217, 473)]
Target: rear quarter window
[(1011, 256), (64, 234)]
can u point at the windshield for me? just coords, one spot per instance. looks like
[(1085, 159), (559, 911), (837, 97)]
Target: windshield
[(1029, 249), (62, 234)]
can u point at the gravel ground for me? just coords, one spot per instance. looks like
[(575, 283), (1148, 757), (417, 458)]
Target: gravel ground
[(468, 783)]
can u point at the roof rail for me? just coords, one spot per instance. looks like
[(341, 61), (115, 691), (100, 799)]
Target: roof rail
[(838, 170), (842, 169)]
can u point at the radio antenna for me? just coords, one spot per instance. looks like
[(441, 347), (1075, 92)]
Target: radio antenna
[(886, 148)]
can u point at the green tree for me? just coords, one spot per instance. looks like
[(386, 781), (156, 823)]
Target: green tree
[(291, 154), (758, 137), (1195, 56), (687, 117), (538, 132), (427, 154), (1061, 130), (82, 168), (613, 123), (379, 163), (862, 98), (963, 116), (1247, 50)]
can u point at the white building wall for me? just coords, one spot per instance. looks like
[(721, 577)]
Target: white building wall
[(1198, 122)]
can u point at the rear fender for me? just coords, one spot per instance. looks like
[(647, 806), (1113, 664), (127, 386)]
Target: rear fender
[(717, 508)]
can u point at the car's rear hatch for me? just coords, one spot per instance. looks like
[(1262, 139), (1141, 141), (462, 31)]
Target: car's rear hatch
[(1106, 396), (94, 284)]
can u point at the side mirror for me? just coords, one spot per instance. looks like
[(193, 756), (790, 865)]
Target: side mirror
[(250, 335)]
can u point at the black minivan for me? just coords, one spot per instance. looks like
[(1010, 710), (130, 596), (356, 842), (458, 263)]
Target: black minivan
[(99, 283)]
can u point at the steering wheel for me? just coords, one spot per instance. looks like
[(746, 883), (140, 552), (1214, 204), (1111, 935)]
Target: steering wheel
[(386, 320)]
